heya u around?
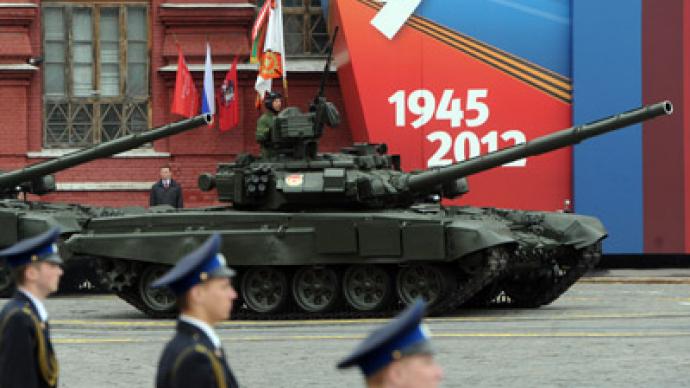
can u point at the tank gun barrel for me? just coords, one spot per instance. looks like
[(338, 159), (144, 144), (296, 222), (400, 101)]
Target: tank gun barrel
[(327, 66), (17, 177), (538, 146)]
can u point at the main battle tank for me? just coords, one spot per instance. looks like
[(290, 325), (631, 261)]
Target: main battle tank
[(20, 219), (349, 234)]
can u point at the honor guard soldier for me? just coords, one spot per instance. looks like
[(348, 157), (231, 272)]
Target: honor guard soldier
[(194, 357), (27, 359), (399, 354)]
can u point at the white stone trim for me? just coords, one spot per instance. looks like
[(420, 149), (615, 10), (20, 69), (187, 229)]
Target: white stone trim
[(105, 186), (207, 5), (18, 66), (135, 153), (18, 5), (299, 65)]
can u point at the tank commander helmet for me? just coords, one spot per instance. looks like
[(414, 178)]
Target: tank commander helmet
[(269, 98)]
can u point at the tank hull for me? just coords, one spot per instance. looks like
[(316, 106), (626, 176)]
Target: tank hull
[(21, 219), (333, 264)]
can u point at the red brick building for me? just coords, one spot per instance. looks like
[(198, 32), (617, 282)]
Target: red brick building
[(74, 74)]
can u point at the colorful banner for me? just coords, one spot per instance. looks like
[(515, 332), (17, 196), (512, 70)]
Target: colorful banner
[(438, 95)]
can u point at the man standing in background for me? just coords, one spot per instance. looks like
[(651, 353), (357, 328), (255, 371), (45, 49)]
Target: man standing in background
[(166, 191)]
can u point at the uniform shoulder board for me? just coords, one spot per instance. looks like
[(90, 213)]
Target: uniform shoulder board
[(47, 362), (216, 366)]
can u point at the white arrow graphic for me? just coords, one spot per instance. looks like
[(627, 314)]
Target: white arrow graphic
[(393, 15)]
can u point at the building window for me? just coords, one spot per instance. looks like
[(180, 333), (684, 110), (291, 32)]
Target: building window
[(304, 27), (96, 72)]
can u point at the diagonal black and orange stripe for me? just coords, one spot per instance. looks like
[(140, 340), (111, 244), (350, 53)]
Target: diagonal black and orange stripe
[(541, 78)]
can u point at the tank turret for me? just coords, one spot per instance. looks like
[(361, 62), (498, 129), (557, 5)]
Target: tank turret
[(365, 176), (37, 178)]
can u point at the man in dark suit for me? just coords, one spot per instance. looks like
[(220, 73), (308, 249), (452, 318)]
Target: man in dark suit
[(195, 357), (166, 191), (27, 359), (399, 354)]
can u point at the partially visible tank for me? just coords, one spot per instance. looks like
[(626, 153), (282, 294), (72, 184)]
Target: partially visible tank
[(349, 234), (20, 218)]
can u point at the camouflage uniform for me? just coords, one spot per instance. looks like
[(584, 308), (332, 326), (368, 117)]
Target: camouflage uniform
[(263, 132)]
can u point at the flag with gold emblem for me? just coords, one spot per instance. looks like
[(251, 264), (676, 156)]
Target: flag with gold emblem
[(271, 55)]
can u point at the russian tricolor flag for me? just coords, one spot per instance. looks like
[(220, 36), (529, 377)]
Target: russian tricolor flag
[(207, 98)]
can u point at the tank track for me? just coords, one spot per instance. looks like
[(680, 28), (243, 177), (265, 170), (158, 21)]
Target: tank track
[(463, 287), (467, 286), (463, 291), (585, 259), (497, 261), (131, 296)]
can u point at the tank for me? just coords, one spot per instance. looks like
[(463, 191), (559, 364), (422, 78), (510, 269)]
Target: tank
[(20, 218), (349, 234)]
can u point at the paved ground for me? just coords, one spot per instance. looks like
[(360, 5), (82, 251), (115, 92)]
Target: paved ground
[(597, 335)]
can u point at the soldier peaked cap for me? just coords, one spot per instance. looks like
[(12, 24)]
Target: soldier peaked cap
[(39, 248), (203, 263), (403, 336)]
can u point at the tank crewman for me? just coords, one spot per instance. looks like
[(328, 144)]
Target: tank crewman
[(27, 359), (399, 354), (195, 357), (273, 101)]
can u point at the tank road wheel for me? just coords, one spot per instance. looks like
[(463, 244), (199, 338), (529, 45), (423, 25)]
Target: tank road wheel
[(367, 287), (162, 301), (6, 281), (315, 289), (421, 281), (264, 289)]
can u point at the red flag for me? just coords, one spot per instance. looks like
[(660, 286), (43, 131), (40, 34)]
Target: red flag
[(186, 97), (228, 104)]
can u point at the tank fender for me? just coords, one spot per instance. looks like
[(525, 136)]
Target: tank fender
[(468, 236), (576, 230), (240, 246), (32, 224)]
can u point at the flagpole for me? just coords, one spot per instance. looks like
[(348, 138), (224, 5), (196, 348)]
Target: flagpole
[(209, 88), (285, 89)]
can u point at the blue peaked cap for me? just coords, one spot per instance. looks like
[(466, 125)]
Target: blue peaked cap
[(403, 336), (42, 247), (203, 263)]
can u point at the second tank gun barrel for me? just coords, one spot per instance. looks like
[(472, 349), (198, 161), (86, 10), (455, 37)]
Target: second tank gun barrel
[(125, 143), (538, 146)]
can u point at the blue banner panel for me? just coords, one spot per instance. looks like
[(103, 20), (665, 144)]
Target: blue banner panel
[(530, 29), (607, 78)]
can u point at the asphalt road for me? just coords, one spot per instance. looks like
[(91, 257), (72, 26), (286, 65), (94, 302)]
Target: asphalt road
[(597, 335)]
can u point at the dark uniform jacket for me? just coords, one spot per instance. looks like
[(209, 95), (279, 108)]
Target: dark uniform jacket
[(190, 360), (171, 196), (27, 359)]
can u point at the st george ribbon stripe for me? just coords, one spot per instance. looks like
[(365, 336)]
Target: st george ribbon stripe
[(543, 79)]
